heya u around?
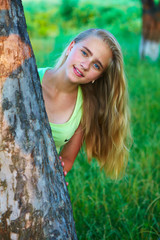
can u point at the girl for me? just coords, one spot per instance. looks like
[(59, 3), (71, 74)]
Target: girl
[(86, 101)]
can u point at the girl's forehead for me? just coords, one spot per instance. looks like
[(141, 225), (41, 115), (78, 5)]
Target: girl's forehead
[(95, 43)]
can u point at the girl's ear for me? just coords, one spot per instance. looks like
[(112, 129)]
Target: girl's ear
[(70, 47)]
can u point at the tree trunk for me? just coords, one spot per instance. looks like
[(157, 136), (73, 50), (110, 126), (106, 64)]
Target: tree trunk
[(34, 201), (149, 45)]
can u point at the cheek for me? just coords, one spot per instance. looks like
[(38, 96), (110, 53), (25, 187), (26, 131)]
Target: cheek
[(96, 75), (74, 56)]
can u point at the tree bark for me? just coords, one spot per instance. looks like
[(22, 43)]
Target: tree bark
[(149, 45), (34, 201)]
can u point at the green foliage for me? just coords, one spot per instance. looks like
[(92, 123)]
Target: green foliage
[(71, 15), (103, 209), (84, 15), (41, 23), (109, 15), (67, 8)]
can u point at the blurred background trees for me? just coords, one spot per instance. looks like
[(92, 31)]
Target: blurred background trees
[(150, 29)]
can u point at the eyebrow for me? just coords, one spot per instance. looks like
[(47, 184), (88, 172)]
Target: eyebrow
[(92, 55)]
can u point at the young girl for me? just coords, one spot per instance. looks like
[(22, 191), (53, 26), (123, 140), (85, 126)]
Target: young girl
[(86, 101)]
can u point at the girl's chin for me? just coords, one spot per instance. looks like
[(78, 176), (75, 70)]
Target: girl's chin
[(74, 79)]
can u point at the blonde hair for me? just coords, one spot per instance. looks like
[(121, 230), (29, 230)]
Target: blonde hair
[(105, 120)]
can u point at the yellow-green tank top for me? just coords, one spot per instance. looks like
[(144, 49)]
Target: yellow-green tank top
[(62, 133)]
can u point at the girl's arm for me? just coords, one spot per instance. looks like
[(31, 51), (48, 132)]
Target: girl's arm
[(71, 149)]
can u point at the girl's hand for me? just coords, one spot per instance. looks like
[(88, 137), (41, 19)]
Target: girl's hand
[(64, 172)]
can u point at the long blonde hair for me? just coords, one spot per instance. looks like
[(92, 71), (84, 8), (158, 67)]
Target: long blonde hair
[(105, 120)]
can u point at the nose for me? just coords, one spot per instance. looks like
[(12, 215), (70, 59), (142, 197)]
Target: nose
[(85, 65)]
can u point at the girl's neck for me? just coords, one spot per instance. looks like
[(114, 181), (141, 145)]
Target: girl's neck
[(58, 80)]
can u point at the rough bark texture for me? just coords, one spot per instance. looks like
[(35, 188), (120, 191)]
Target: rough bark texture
[(149, 45), (34, 201)]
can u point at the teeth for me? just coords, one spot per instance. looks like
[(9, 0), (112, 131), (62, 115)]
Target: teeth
[(79, 72)]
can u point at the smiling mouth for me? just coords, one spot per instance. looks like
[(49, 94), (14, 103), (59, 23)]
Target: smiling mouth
[(78, 72)]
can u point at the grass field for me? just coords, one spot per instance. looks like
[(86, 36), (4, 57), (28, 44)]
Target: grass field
[(128, 209)]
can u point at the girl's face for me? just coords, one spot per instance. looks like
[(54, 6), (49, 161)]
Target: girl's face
[(87, 60)]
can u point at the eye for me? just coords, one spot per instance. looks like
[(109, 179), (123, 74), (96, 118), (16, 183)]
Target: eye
[(96, 66), (84, 53)]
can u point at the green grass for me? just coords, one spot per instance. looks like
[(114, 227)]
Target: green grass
[(128, 209)]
